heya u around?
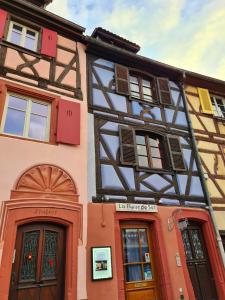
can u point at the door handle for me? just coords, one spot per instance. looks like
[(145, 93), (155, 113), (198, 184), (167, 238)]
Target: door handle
[(13, 278)]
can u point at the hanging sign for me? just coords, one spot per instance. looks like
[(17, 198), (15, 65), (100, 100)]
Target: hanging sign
[(133, 207)]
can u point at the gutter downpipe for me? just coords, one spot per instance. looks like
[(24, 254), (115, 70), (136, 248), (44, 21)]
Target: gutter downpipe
[(211, 212)]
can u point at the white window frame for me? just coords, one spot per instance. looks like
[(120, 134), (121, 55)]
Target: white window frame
[(27, 117), (216, 109), (23, 38)]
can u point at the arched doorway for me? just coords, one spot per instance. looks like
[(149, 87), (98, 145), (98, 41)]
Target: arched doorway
[(44, 201), (197, 259), (39, 262)]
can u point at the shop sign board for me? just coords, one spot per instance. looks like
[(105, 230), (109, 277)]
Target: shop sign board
[(134, 207)]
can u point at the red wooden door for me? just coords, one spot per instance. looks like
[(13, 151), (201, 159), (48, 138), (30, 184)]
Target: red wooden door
[(198, 263), (38, 268)]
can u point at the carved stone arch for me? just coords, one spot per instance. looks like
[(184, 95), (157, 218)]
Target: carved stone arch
[(45, 181)]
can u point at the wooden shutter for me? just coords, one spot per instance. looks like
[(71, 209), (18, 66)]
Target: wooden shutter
[(164, 90), (176, 153), (68, 127), (127, 146), (3, 18), (122, 80), (49, 42), (205, 101)]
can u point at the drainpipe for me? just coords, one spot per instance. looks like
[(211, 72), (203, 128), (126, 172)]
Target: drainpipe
[(198, 161)]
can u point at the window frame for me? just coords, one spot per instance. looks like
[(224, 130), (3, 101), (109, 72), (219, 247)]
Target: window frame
[(42, 96), (164, 158), (23, 33), (28, 114), (140, 78), (213, 99)]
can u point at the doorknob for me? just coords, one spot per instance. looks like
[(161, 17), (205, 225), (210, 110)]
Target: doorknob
[(13, 278)]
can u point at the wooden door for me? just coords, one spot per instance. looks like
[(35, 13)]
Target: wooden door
[(138, 262), (198, 263), (38, 268)]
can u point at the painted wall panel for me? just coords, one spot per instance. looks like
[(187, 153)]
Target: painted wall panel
[(104, 75), (196, 187), (128, 174), (99, 99), (112, 144), (110, 178), (104, 62), (182, 183), (118, 102)]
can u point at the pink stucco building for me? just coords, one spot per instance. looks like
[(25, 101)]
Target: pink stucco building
[(43, 174)]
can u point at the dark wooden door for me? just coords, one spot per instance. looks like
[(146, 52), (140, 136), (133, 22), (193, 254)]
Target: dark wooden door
[(198, 263), (39, 260), (138, 263)]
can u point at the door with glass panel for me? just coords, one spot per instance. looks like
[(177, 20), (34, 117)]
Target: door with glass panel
[(198, 263), (38, 266), (138, 262)]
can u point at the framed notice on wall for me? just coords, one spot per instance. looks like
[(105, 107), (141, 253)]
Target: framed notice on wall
[(101, 263)]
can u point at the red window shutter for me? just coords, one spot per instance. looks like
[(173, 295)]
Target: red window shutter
[(68, 128), (3, 18), (49, 42)]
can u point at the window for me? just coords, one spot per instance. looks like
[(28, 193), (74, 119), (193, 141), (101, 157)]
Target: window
[(151, 88), (218, 104), (22, 36), (141, 88), (149, 151), (26, 117)]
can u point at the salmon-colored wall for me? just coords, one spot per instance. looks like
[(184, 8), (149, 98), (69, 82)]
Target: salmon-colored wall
[(103, 220), (103, 230), (42, 68), (17, 155)]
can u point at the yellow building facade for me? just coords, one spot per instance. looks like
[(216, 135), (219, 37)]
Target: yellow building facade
[(206, 104)]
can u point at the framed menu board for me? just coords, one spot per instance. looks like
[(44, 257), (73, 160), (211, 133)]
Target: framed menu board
[(101, 263)]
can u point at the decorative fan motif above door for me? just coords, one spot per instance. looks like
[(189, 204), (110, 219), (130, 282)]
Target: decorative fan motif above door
[(45, 181)]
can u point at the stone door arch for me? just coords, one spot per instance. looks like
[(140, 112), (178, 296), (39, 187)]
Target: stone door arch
[(43, 193)]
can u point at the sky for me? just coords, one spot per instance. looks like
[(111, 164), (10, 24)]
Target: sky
[(189, 34)]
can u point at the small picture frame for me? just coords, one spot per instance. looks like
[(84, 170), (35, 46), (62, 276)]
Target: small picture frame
[(101, 263)]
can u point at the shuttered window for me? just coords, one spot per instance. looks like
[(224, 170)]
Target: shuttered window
[(205, 101), (164, 90), (127, 146), (23, 36), (149, 150), (122, 80), (3, 18), (142, 87), (176, 153)]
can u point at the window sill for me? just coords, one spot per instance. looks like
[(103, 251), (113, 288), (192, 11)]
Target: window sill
[(151, 103), (26, 139), (159, 171), (222, 119), (21, 49)]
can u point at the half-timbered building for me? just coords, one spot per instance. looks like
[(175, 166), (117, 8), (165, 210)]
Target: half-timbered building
[(146, 191), (43, 154), (206, 104)]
